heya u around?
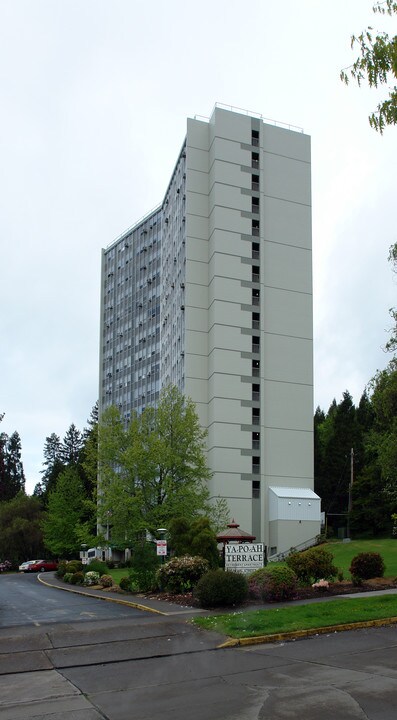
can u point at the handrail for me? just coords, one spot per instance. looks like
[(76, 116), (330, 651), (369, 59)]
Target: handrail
[(297, 548)]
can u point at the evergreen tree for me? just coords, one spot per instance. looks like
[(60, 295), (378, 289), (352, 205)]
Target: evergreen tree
[(21, 536), (53, 466), (12, 476), (71, 446), (65, 515)]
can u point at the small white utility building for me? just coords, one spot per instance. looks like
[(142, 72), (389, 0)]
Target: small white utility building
[(294, 518)]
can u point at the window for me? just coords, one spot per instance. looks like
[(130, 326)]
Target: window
[(256, 320), (256, 368), (255, 227), (256, 416), (255, 182), (256, 465), (255, 137), (255, 251), (255, 273), (256, 488), (255, 344), (255, 205), (255, 160), (256, 392), (256, 438), (255, 297)]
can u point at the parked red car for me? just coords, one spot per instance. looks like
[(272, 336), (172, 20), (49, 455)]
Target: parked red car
[(42, 566)]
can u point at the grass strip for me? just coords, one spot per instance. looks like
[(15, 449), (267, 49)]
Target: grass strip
[(242, 624)]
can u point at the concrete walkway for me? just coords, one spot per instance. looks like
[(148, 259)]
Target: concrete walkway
[(163, 666)]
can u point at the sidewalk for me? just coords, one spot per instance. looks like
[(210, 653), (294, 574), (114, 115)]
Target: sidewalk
[(159, 607), (167, 609)]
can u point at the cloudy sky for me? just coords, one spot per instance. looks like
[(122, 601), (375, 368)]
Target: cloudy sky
[(94, 96)]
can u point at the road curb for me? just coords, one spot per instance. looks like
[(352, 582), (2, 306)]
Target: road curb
[(298, 634), (129, 603)]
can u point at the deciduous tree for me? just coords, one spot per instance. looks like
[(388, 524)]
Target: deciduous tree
[(154, 470), (377, 64)]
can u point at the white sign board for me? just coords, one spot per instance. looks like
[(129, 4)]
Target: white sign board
[(161, 547), (244, 557)]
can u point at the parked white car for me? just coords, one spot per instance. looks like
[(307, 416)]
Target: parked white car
[(24, 566)]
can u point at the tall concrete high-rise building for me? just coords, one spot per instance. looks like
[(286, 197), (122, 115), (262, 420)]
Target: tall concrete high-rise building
[(212, 291)]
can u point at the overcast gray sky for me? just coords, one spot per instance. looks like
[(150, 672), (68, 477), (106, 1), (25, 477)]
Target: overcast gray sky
[(94, 96)]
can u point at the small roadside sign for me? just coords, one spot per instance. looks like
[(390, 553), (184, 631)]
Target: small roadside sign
[(161, 547)]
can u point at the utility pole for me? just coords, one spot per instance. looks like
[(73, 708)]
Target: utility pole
[(350, 501)]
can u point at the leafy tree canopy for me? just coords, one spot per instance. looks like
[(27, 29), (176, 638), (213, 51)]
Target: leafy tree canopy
[(155, 469), (63, 525), (21, 536), (377, 63)]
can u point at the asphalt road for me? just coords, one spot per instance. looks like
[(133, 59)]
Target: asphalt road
[(140, 668), (25, 601)]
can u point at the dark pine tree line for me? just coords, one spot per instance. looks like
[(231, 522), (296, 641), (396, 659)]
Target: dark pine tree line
[(365, 481), (63, 504), (12, 476)]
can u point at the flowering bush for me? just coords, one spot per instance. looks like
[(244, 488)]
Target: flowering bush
[(91, 578), (181, 574), (106, 581), (67, 576), (321, 585), (273, 583), (255, 583)]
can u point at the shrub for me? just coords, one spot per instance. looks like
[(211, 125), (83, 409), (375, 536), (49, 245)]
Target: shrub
[(77, 578), (74, 566), (97, 566), (144, 557), (367, 565), (106, 581), (67, 576), (312, 565), (221, 588), (125, 583), (276, 583), (142, 580), (255, 583), (60, 572), (181, 574), (91, 578)]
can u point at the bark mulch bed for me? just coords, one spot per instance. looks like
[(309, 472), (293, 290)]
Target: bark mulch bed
[(344, 587)]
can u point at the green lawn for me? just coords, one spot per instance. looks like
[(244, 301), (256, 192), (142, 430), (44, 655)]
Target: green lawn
[(300, 617), (344, 553), (118, 573)]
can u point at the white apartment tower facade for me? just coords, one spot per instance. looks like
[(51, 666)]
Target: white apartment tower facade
[(212, 292)]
